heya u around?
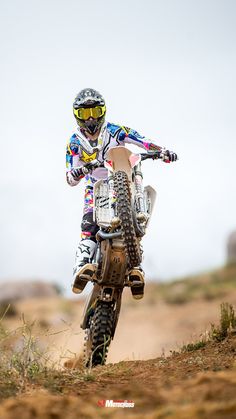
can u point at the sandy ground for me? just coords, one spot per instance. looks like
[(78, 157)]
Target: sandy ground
[(199, 385), (162, 381), (145, 330)]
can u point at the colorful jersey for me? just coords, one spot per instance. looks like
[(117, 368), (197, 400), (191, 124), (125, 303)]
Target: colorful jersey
[(81, 151)]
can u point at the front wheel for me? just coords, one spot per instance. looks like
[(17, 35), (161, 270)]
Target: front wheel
[(99, 334)]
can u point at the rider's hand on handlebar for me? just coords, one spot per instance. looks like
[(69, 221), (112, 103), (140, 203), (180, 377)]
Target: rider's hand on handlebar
[(82, 171), (169, 156), (78, 173)]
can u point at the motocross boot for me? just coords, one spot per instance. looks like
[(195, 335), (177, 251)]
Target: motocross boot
[(84, 269), (136, 277)]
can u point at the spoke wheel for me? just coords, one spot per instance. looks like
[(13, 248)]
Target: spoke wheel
[(99, 334)]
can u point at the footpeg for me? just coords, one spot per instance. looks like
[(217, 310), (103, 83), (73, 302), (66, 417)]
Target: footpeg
[(137, 290), (136, 274), (136, 279), (86, 273)]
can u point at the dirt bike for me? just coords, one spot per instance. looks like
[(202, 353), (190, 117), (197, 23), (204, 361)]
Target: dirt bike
[(122, 210)]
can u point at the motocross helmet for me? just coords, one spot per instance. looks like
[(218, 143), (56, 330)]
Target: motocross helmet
[(89, 110)]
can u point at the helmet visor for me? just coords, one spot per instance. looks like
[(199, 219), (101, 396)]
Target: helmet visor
[(86, 113)]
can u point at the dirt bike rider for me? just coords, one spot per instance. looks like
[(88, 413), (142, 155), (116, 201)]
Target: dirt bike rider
[(92, 139)]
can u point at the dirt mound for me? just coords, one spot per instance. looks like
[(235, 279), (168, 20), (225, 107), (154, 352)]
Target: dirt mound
[(169, 315), (196, 381), (21, 290), (197, 384)]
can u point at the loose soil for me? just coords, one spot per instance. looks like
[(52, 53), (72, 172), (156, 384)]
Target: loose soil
[(146, 362), (198, 384)]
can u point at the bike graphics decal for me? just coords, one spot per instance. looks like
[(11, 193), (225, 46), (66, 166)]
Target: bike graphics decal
[(102, 201)]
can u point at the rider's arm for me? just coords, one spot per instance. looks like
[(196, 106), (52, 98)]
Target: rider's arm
[(130, 136), (73, 160)]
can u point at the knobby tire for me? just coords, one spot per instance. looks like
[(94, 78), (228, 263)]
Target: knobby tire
[(124, 212), (99, 334)]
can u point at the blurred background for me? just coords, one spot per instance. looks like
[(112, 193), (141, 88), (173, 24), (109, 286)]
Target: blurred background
[(166, 69)]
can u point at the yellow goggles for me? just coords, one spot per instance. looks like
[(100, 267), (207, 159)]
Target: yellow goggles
[(86, 113)]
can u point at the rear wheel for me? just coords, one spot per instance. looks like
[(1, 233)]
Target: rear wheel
[(124, 212)]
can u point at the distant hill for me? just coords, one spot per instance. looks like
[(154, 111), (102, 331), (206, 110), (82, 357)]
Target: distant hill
[(206, 286)]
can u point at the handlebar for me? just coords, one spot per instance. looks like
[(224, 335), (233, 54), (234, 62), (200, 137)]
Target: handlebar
[(152, 155), (155, 155)]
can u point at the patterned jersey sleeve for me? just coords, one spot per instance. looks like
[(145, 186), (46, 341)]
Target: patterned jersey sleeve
[(72, 159), (130, 136)]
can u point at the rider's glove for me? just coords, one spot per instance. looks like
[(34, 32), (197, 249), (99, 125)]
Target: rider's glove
[(77, 174), (169, 156)]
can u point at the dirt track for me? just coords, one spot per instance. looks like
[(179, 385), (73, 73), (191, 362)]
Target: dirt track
[(199, 384), (146, 328)]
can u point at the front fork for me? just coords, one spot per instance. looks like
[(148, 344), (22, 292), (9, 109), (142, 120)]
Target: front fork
[(107, 294), (139, 194)]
